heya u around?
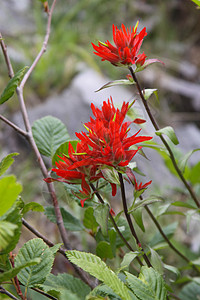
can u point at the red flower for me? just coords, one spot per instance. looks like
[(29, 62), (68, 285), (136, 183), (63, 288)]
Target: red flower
[(127, 45)]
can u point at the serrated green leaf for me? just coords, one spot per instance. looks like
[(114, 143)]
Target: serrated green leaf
[(168, 131), (148, 92), (184, 160), (156, 261), (104, 250), (190, 291), (128, 258), (6, 162), (89, 220), (14, 271), (101, 214), (49, 133), (70, 222), (137, 215), (97, 268), (9, 190), (7, 231), (116, 82), (55, 248), (33, 275), (12, 85), (34, 206), (63, 150), (14, 216), (66, 283), (102, 291)]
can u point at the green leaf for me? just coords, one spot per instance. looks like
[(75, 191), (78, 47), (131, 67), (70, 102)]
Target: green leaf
[(148, 92), (14, 271), (70, 222), (97, 268), (190, 291), (197, 2), (6, 162), (156, 261), (142, 203), (183, 204), (34, 206), (101, 214), (193, 176), (137, 215), (49, 133), (168, 131), (172, 269), (149, 286), (33, 275), (128, 258), (116, 82), (12, 85), (14, 216), (169, 232), (66, 283), (102, 291), (9, 190), (104, 250), (55, 248), (7, 231), (111, 175), (63, 150), (184, 159), (89, 220)]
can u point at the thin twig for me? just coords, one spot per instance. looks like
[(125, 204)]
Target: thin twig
[(44, 294), (7, 58), (128, 217), (16, 281), (15, 127), (5, 292), (180, 174), (115, 225)]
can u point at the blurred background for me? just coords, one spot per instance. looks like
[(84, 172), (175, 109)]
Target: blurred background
[(64, 81)]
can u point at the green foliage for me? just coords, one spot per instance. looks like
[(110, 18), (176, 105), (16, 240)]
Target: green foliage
[(101, 214), (156, 261), (104, 250), (116, 82), (7, 231), (184, 160), (190, 291), (148, 92), (149, 286), (168, 131), (65, 283), (34, 206), (63, 150), (12, 85), (70, 222), (96, 267), (128, 258), (142, 203), (137, 215), (49, 133), (197, 2), (33, 275), (169, 232), (6, 162), (13, 216), (89, 220), (9, 190)]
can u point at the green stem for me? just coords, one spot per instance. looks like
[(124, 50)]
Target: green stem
[(180, 174), (128, 217)]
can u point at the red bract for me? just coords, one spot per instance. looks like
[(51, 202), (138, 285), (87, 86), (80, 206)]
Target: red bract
[(127, 45)]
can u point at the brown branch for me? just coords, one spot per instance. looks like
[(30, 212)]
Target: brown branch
[(5, 292), (15, 127), (6, 56)]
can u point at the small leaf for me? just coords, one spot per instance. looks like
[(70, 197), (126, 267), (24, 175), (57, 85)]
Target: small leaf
[(70, 222), (156, 261), (89, 220), (33, 275), (111, 175), (184, 159), (172, 269), (7, 231), (34, 206), (169, 131), (12, 85), (55, 248), (14, 271), (63, 150), (183, 204), (9, 190), (49, 133), (137, 215), (97, 268), (147, 63), (6, 162), (116, 82), (104, 250), (128, 258), (148, 92), (194, 177), (101, 214), (142, 203)]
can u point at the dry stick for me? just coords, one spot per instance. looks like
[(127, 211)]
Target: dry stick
[(189, 188), (128, 217), (5, 292), (15, 127), (115, 225), (30, 138)]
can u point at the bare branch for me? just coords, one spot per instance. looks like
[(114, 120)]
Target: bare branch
[(6, 56), (15, 127), (5, 292)]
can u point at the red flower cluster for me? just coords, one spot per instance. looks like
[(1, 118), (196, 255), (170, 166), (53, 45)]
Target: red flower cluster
[(106, 144), (126, 49)]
